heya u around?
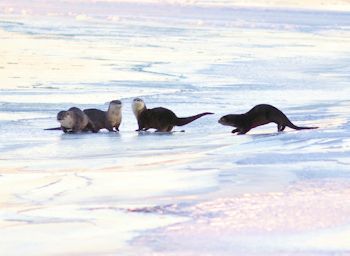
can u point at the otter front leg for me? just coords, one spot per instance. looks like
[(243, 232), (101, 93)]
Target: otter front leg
[(235, 130), (92, 127), (64, 129), (142, 129), (109, 127), (162, 130), (140, 126)]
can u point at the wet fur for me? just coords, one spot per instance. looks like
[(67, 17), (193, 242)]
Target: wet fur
[(75, 120), (257, 116), (109, 120), (161, 119)]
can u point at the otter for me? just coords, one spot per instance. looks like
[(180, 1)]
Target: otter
[(161, 119), (109, 119), (259, 115), (74, 120)]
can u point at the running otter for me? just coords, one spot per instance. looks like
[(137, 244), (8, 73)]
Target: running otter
[(109, 119), (74, 120), (259, 115), (161, 119)]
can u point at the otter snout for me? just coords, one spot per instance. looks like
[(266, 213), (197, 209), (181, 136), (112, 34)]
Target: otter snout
[(138, 105), (137, 100), (116, 102), (222, 120), (61, 115)]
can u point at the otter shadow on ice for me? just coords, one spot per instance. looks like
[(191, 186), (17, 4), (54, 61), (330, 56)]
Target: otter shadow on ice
[(88, 135), (156, 133)]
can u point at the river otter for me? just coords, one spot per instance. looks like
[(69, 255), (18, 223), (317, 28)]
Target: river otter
[(161, 119), (259, 115), (109, 119), (74, 120)]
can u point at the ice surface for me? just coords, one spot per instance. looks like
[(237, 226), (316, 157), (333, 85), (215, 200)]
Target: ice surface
[(199, 192)]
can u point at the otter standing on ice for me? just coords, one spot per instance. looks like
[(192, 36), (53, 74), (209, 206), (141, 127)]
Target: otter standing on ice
[(74, 120), (259, 115), (109, 119), (161, 119)]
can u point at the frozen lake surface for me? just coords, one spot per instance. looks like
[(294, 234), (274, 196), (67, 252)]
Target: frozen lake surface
[(199, 192)]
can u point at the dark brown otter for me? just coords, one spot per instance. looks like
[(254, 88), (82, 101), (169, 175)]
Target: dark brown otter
[(109, 119), (161, 119), (74, 120), (259, 115)]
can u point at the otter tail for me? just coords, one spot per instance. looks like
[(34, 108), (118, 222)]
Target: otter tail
[(293, 126), (186, 120), (53, 129)]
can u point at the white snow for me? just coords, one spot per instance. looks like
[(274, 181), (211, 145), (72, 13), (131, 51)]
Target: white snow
[(199, 192)]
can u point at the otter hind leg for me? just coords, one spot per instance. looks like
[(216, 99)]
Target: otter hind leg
[(280, 127), (140, 129), (162, 130)]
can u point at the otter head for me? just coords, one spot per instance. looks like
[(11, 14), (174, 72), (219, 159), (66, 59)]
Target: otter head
[(138, 105), (230, 120), (115, 108), (114, 113), (65, 118)]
